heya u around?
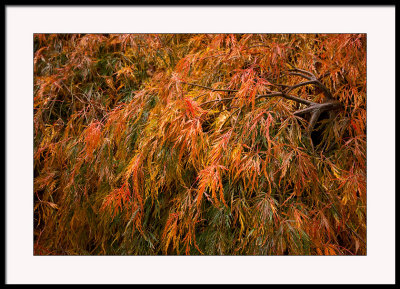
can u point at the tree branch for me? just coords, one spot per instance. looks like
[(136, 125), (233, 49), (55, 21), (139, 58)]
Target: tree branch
[(314, 109), (312, 79), (287, 96), (299, 85), (326, 106)]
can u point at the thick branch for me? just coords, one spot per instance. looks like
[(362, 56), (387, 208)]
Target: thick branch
[(327, 106), (313, 120), (287, 96), (303, 72), (312, 80), (300, 84), (302, 75)]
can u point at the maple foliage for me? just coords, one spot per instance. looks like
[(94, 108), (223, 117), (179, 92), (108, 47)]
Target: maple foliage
[(200, 144)]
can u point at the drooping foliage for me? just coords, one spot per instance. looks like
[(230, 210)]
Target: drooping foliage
[(203, 144)]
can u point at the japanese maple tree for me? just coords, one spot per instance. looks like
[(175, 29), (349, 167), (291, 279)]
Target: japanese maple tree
[(200, 144)]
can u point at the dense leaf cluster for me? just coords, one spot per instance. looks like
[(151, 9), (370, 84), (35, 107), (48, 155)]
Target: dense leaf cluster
[(161, 144)]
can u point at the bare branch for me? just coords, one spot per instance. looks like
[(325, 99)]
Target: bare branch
[(300, 84), (287, 96), (304, 111), (327, 106), (313, 120), (303, 72), (302, 75), (312, 79)]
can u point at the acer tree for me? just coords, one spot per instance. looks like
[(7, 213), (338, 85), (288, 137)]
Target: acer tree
[(203, 144)]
